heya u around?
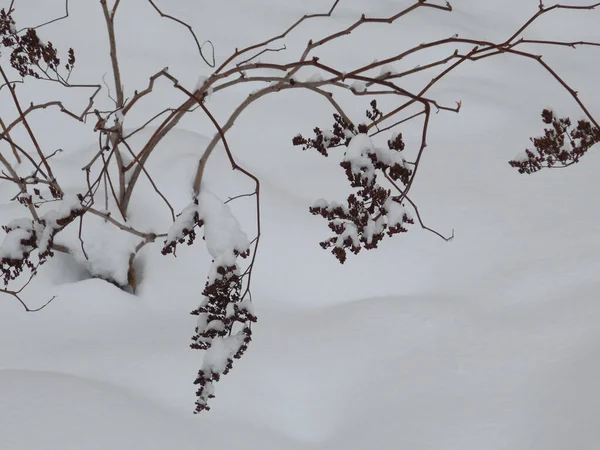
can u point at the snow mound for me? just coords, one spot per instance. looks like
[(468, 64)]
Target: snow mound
[(53, 411)]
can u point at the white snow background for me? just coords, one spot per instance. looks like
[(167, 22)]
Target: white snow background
[(488, 342)]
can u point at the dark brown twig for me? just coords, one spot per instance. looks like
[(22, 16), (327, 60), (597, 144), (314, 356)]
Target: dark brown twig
[(191, 30)]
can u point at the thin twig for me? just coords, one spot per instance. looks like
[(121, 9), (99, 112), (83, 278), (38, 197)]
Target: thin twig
[(191, 30), (66, 14)]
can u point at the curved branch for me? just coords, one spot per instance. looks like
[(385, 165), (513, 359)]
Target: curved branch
[(191, 30), (235, 166), (66, 14), (279, 36)]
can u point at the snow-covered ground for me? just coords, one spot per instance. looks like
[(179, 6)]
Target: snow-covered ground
[(487, 342)]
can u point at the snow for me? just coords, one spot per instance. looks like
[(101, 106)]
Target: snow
[(314, 78), (488, 342), (11, 246), (395, 212), (186, 220), (220, 351), (376, 226), (320, 203), (358, 86), (357, 155), (202, 79), (119, 117), (223, 235), (358, 151), (15, 245), (222, 231), (351, 232), (387, 70)]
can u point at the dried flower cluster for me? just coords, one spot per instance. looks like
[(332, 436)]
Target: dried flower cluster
[(30, 56), (226, 313), (188, 220), (24, 236), (561, 145), (371, 211), (341, 134), (225, 308)]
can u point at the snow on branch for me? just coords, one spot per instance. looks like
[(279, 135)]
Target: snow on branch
[(23, 236)]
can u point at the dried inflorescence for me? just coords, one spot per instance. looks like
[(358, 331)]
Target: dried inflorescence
[(30, 56), (225, 315), (561, 145), (24, 236), (15, 261), (223, 329), (341, 134), (183, 229), (371, 211), (374, 113)]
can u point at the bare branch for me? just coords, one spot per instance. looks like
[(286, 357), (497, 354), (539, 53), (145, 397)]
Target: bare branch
[(262, 52), (236, 166), (6, 133), (416, 209), (160, 194), (110, 26), (279, 36), (15, 294), (211, 63), (30, 132), (64, 16)]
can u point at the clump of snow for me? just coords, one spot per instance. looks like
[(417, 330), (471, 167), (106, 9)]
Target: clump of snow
[(222, 230), (225, 259), (395, 212), (350, 232), (357, 155), (107, 252), (387, 70), (358, 151), (320, 203), (17, 242), (119, 117), (224, 237), (221, 351), (521, 156), (373, 228), (184, 221), (247, 306), (358, 86), (202, 80), (315, 78), (12, 246)]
